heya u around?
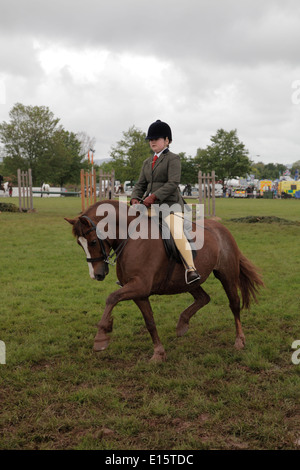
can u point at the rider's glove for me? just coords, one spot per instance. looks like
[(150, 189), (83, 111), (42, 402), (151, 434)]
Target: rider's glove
[(149, 200)]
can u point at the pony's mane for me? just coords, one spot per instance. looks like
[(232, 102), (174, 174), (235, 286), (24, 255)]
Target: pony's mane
[(78, 228)]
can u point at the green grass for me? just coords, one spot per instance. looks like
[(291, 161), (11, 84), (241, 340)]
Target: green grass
[(55, 393)]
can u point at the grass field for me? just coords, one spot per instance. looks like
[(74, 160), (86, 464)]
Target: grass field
[(56, 393)]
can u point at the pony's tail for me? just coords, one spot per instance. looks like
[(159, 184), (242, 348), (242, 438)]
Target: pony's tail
[(250, 281)]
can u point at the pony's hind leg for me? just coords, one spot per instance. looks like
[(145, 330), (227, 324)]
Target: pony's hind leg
[(234, 304), (159, 351), (201, 299)]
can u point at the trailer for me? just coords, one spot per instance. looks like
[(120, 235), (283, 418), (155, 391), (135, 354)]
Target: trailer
[(264, 185), (287, 189)]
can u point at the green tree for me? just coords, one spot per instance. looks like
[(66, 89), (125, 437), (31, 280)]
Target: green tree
[(63, 162), (107, 167), (257, 169), (270, 171), (226, 155), (129, 154), (189, 173), (273, 171), (26, 138), (34, 139)]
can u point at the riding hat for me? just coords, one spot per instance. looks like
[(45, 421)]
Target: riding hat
[(159, 129)]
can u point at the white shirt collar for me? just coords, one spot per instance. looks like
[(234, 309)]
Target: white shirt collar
[(159, 154)]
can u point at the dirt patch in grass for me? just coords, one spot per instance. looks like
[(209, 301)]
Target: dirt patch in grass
[(254, 219)]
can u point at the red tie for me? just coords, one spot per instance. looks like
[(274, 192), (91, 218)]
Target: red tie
[(154, 160)]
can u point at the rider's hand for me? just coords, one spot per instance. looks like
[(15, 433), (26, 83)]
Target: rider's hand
[(149, 200), (134, 201)]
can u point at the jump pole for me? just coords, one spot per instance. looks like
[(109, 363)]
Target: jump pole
[(25, 190), (106, 179), (88, 188), (207, 182)]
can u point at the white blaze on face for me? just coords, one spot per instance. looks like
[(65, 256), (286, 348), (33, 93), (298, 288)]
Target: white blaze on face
[(84, 244)]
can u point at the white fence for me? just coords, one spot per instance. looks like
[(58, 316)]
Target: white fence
[(52, 190)]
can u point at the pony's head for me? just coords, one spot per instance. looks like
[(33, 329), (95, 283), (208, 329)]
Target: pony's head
[(85, 231)]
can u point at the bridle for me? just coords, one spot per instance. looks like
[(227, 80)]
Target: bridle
[(106, 257)]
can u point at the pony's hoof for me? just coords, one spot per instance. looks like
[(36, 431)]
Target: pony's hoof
[(100, 345), (239, 343), (182, 329), (158, 358)]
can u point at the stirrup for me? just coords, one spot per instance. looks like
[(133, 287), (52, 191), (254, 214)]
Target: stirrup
[(196, 278)]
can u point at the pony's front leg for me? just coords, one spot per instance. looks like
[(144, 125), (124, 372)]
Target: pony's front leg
[(128, 292), (105, 326)]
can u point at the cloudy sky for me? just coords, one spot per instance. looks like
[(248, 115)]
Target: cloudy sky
[(200, 65)]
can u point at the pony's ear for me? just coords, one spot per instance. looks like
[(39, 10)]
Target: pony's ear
[(71, 221), (84, 221)]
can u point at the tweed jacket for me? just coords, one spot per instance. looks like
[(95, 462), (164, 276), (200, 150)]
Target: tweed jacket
[(163, 180)]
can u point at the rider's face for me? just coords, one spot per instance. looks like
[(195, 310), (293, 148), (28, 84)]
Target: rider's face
[(157, 145)]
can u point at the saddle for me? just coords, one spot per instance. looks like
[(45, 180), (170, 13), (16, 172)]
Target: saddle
[(169, 243)]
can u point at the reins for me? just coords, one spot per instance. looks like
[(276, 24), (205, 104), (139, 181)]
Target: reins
[(180, 216)]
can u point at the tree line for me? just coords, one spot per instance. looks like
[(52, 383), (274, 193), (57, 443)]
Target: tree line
[(226, 155), (34, 138)]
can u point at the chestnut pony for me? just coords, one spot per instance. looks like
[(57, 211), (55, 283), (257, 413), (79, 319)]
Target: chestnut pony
[(144, 268)]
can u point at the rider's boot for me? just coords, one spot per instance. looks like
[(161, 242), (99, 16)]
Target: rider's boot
[(191, 275)]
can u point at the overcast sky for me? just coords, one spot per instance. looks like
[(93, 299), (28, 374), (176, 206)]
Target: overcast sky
[(104, 66)]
